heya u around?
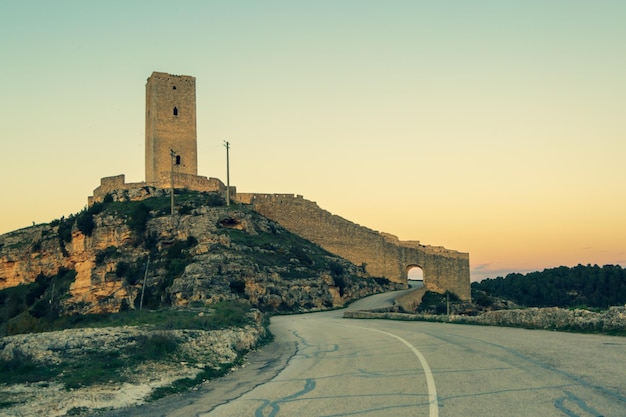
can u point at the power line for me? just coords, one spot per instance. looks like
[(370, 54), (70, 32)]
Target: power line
[(227, 145)]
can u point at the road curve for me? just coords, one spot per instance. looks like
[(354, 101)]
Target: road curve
[(389, 368), (324, 365)]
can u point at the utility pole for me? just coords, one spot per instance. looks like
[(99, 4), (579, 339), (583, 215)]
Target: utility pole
[(173, 155), (143, 286), (227, 145)]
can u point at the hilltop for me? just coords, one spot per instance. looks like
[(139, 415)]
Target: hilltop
[(98, 260)]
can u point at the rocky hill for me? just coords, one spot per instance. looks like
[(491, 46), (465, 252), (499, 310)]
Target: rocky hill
[(122, 255)]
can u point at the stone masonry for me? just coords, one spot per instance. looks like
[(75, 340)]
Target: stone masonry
[(170, 125), (380, 254)]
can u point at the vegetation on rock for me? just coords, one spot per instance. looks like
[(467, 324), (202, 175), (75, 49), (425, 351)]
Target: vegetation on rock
[(113, 362), (145, 258)]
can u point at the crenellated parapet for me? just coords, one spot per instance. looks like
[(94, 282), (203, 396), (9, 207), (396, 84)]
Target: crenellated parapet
[(120, 190)]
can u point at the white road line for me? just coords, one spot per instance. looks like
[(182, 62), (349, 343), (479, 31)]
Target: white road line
[(430, 381)]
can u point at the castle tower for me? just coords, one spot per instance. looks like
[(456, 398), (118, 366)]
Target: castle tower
[(170, 126)]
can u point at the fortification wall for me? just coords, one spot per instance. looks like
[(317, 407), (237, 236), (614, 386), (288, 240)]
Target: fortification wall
[(379, 253), (136, 191), (191, 182)]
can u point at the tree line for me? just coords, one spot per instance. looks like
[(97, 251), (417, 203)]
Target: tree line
[(580, 286)]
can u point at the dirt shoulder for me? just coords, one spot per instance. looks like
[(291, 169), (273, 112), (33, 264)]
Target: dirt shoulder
[(260, 367)]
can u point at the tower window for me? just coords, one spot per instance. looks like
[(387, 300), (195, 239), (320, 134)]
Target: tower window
[(174, 88), (175, 111), (177, 159)]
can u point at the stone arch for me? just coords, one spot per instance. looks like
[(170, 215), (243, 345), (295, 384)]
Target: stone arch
[(415, 272)]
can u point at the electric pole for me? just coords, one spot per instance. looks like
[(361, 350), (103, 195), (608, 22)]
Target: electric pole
[(173, 155), (227, 145), (143, 286)]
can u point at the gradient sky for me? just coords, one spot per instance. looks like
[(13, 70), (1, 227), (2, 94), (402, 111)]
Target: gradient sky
[(496, 127)]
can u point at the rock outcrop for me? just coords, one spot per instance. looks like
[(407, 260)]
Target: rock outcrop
[(201, 255), (198, 349)]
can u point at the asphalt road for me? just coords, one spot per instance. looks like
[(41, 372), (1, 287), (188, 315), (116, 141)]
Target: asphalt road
[(325, 365)]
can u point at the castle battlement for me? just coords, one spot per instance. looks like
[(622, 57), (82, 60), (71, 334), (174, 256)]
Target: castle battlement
[(120, 190)]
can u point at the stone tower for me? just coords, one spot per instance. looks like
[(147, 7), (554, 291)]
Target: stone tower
[(170, 126)]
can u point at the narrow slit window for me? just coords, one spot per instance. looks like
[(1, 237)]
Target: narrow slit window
[(177, 159), (175, 111)]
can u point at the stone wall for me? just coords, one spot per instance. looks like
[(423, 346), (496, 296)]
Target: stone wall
[(136, 191), (192, 182), (380, 254)]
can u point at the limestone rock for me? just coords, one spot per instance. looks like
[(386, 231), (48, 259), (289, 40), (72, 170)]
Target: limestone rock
[(207, 255)]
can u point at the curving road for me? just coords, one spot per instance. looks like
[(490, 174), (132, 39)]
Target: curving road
[(342, 367)]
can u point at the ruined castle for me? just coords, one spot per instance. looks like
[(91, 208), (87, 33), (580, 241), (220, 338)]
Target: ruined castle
[(171, 161)]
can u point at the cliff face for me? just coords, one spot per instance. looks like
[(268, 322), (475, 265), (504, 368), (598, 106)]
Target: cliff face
[(205, 255), (39, 251)]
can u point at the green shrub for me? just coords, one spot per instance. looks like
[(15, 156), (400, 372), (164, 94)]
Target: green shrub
[(191, 241), (336, 269), (176, 268), (85, 222), (215, 200), (382, 281), (150, 243), (109, 252), (482, 299), (139, 218), (155, 347), (94, 367), (232, 313), (42, 308), (22, 323), (237, 286), (300, 254), (122, 269), (185, 210), (441, 309), (21, 368), (65, 229), (31, 307), (36, 246)]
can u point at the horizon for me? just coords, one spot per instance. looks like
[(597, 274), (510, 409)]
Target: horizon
[(493, 129)]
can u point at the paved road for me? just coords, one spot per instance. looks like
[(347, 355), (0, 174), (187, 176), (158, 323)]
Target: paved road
[(343, 367)]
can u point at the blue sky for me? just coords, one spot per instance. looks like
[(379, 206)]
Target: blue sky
[(490, 127)]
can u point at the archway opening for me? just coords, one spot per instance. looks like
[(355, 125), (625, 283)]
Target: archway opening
[(415, 275)]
